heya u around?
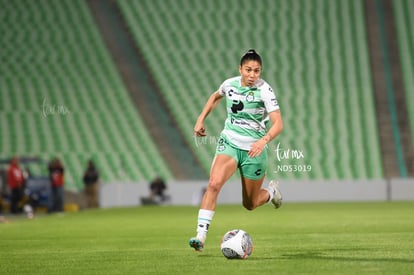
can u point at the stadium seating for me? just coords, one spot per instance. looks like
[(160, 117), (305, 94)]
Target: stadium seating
[(61, 95), (315, 56), (405, 24)]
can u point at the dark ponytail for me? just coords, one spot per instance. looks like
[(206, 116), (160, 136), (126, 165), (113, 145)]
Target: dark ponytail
[(251, 55)]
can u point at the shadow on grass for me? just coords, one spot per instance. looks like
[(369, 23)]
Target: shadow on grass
[(326, 256), (318, 255), (206, 255)]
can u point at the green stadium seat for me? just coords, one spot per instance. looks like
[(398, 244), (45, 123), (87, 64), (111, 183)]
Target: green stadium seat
[(315, 56), (54, 55)]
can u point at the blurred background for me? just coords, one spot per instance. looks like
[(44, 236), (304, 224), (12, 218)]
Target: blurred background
[(121, 82)]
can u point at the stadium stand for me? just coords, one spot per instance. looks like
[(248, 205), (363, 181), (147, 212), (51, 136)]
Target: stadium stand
[(315, 56), (62, 96), (405, 24)]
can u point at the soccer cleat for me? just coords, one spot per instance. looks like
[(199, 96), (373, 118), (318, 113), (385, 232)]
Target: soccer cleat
[(196, 244), (277, 196)]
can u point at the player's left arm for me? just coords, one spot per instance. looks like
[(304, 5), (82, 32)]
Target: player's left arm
[(272, 107), (276, 128)]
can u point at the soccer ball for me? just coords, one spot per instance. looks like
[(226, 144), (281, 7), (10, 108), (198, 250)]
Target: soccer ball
[(236, 244)]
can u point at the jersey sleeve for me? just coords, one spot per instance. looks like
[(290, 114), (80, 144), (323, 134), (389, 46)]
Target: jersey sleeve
[(221, 90), (269, 99)]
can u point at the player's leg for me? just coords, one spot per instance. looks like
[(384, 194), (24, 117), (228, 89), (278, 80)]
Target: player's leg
[(253, 172), (223, 167), (253, 194)]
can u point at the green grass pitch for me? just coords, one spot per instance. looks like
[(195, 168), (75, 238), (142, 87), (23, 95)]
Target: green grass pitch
[(299, 238)]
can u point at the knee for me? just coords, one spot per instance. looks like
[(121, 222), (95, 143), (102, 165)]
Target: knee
[(249, 205), (214, 186)]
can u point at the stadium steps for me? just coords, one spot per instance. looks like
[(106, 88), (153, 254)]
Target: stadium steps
[(144, 93), (403, 10), (54, 58), (391, 103), (315, 56)]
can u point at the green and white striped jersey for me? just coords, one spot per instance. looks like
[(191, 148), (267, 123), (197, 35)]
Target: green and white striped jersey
[(248, 111)]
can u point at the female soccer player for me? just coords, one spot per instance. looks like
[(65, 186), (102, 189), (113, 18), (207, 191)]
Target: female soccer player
[(250, 104)]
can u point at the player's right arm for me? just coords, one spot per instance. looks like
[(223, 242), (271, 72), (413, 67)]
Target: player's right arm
[(214, 99)]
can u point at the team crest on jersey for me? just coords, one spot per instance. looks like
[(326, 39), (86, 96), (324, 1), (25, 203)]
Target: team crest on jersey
[(221, 145), (250, 97)]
